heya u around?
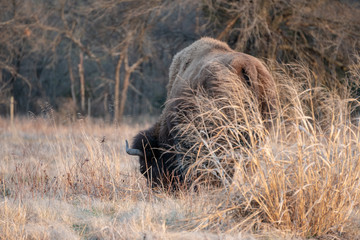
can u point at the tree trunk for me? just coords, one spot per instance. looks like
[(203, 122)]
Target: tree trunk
[(117, 89), (128, 71), (89, 108), (124, 94), (82, 82), (12, 107), (72, 84), (72, 81), (106, 108)]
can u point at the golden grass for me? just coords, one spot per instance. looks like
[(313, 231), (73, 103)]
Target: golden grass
[(298, 178), (69, 182), (301, 170)]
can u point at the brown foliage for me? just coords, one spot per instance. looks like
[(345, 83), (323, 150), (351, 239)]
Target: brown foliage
[(322, 34)]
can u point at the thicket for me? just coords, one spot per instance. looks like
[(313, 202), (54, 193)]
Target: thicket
[(110, 58)]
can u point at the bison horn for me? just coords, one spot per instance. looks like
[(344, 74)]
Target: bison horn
[(133, 152)]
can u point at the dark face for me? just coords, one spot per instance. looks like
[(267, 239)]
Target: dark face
[(151, 164), (157, 165)]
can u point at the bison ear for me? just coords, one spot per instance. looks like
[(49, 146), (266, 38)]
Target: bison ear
[(244, 67), (246, 76)]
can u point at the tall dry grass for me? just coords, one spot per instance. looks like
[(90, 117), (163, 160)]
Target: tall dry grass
[(293, 176), (298, 171), (77, 182)]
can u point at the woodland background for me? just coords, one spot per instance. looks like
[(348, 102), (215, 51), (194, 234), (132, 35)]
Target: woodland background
[(110, 58)]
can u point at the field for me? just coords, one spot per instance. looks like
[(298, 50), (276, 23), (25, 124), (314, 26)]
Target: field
[(76, 181), (297, 179), (255, 158)]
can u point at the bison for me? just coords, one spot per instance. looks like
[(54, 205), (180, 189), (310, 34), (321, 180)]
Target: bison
[(195, 67)]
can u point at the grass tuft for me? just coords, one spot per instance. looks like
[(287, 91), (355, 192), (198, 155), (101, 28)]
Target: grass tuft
[(298, 171)]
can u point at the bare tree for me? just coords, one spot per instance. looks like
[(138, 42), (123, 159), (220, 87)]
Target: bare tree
[(40, 39), (128, 71), (132, 30), (72, 80), (112, 50), (13, 42), (117, 89), (82, 81), (321, 34)]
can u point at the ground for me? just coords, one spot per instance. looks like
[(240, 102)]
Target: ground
[(75, 181)]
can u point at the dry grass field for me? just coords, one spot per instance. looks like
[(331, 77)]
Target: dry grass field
[(77, 182), (299, 179)]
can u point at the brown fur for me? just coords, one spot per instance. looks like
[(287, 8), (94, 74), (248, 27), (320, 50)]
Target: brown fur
[(200, 66)]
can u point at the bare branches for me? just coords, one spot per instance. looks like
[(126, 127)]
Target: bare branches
[(14, 73), (129, 69), (41, 39), (117, 89), (319, 33)]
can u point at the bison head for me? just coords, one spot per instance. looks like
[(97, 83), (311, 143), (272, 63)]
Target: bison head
[(156, 159)]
